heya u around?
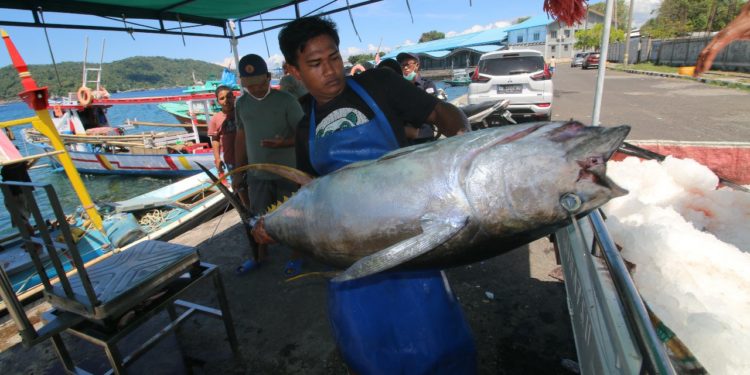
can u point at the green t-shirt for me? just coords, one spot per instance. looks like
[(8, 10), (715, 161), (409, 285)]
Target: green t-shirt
[(276, 116)]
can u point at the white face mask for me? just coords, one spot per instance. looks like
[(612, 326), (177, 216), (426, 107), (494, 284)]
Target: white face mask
[(257, 98)]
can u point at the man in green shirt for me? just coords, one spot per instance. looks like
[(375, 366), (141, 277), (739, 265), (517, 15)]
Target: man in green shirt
[(266, 123)]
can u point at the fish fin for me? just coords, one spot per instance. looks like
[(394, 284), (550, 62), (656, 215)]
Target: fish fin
[(433, 235)]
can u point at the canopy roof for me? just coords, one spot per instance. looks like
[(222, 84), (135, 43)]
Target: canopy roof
[(482, 41), (188, 14)]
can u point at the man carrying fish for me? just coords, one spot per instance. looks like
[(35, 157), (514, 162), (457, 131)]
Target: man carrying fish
[(410, 319)]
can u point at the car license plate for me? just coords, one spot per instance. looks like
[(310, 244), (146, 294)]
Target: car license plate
[(508, 89)]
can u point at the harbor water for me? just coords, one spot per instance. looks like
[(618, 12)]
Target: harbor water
[(103, 188)]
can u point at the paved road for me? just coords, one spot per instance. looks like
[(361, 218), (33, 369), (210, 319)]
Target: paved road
[(656, 107)]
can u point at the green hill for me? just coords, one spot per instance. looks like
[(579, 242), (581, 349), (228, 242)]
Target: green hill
[(133, 73)]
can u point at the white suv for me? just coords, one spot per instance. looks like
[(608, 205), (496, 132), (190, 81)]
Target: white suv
[(520, 76)]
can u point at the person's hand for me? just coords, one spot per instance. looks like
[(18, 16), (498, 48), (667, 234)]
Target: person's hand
[(739, 28), (272, 143), (260, 235), (219, 165)]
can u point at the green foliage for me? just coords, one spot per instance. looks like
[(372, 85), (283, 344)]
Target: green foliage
[(681, 17), (361, 58), (431, 35), (620, 15), (134, 73), (592, 38)]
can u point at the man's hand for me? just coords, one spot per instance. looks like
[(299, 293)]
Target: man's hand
[(260, 235), (219, 165), (449, 120), (738, 29)]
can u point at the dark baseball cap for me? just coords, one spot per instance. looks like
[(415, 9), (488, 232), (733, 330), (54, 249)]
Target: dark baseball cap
[(253, 65), (405, 56)]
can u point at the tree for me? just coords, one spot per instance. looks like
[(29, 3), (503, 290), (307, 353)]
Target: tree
[(681, 17), (621, 16), (431, 35), (592, 38), (363, 57)]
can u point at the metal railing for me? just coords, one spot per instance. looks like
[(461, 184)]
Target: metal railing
[(613, 331)]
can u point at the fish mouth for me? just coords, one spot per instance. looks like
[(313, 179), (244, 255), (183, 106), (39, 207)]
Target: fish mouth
[(597, 174)]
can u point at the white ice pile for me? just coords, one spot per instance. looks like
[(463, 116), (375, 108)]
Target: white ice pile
[(691, 246)]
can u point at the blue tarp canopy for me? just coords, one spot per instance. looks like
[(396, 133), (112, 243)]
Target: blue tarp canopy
[(483, 41)]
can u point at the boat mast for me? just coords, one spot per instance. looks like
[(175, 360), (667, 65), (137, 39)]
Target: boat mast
[(36, 98)]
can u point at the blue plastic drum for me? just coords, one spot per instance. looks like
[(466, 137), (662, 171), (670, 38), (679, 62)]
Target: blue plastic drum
[(401, 323)]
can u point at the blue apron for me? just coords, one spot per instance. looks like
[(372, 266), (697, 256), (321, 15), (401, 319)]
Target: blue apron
[(391, 322), (368, 141)]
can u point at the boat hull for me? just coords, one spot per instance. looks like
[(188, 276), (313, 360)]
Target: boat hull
[(140, 164), (179, 199)]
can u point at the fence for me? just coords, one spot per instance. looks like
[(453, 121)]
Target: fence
[(682, 52)]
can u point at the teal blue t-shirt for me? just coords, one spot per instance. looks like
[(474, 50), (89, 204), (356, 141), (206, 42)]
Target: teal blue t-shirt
[(276, 116)]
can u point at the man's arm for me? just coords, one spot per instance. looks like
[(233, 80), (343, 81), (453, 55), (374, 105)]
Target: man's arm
[(216, 147), (738, 29), (449, 120)]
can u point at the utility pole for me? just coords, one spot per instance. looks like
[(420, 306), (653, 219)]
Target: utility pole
[(627, 34)]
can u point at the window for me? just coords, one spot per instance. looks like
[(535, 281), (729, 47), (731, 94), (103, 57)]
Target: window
[(565, 47), (519, 39), (553, 33), (567, 33), (510, 65), (552, 48), (536, 35)]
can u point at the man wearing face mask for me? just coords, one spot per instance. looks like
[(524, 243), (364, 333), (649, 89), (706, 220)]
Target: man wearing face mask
[(410, 69), (266, 122)]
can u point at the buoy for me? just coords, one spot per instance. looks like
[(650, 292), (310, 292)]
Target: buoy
[(84, 96)]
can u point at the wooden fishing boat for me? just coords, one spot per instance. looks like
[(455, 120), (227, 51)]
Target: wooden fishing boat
[(105, 228), (459, 78), (96, 147), (161, 214)]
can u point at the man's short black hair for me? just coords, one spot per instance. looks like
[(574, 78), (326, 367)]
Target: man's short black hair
[(294, 36), (222, 88)]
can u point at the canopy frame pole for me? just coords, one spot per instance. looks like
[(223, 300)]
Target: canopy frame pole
[(599, 91)]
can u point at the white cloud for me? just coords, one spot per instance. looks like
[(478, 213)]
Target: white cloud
[(478, 28), (642, 11), (227, 62), (349, 51), (275, 61)]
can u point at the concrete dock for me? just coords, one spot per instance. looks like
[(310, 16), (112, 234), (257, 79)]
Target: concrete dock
[(518, 315)]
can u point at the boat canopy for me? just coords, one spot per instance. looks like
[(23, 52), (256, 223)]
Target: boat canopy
[(188, 14)]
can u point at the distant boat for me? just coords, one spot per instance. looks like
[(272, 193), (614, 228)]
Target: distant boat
[(459, 78), (100, 229), (96, 147), (203, 112), (180, 110)]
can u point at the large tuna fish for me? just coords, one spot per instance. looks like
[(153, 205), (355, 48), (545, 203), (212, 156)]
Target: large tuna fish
[(450, 202)]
